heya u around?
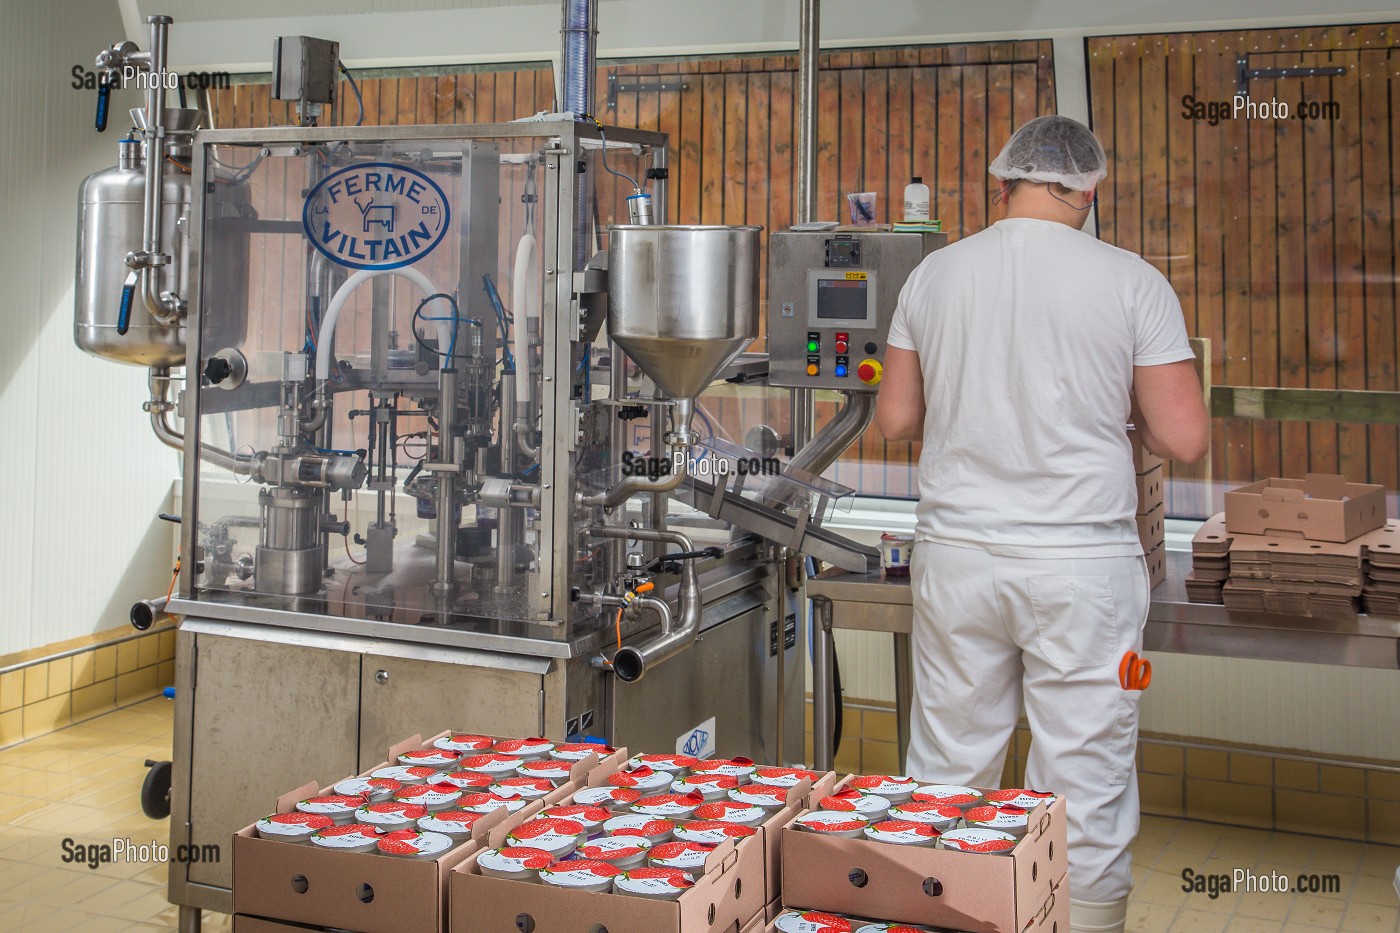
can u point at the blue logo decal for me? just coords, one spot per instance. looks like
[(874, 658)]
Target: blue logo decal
[(377, 215), (696, 742)]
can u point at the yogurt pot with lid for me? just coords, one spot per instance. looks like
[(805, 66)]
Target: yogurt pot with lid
[(766, 796), (433, 797), (626, 852), (647, 780), (676, 765), (487, 802), (832, 823), (893, 787), (469, 780), (517, 863), (951, 794), (810, 921), (1019, 797), (666, 884), (492, 763), (1007, 818), (940, 816), (527, 788), (871, 806), (443, 759), (524, 749), (339, 807), (454, 823), (551, 769), (687, 856), (464, 743), (370, 788), (740, 768), (884, 926), (415, 844), (783, 777), (291, 827), (731, 811), (712, 832), (349, 837), (577, 751), (709, 786), (902, 833), (590, 818), (555, 836), (406, 774), (985, 841), (617, 799), (669, 806), (653, 829), (580, 874), (390, 814)]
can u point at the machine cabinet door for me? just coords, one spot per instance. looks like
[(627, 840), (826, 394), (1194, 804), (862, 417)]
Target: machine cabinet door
[(446, 690)]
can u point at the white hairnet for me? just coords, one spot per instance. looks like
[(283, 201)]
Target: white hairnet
[(1053, 149)]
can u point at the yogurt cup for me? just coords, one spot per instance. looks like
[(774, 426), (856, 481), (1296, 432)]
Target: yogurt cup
[(443, 759), (894, 788), (464, 743), (709, 786), (625, 852), (524, 749), (833, 823), (740, 768), (669, 806), (390, 814), (1007, 818), (894, 554), (590, 818), (469, 780), (526, 788), (952, 794), (871, 806), (339, 807), (783, 777), (884, 926), (348, 837), (810, 921), (517, 863), (555, 836), (766, 796), (687, 856), (551, 769), (617, 799), (654, 830), (1019, 797), (665, 884), (433, 797), (902, 833), (406, 774), (487, 802), (712, 832), (493, 763), (731, 811), (940, 816), (415, 844), (577, 751), (581, 875), (985, 841), (676, 765), (291, 827), (370, 788), (456, 824), (646, 780)]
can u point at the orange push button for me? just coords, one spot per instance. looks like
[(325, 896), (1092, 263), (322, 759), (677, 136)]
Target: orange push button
[(812, 369), (870, 372)]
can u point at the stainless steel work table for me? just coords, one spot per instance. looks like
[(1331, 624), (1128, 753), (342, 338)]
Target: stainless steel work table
[(871, 603)]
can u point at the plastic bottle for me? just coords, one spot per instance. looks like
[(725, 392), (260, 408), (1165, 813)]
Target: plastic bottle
[(916, 200)]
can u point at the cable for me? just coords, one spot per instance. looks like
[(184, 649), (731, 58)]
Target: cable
[(175, 575), (602, 135), (353, 87), (345, 536), (456, 319)]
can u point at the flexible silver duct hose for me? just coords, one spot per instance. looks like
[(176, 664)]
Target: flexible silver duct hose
[(579, 63)]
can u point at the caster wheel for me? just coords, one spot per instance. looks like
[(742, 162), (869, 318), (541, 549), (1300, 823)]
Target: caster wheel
[(155, 790)]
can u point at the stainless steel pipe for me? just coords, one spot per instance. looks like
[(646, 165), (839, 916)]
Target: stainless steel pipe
[(145, 612), (632, 662), (165, 309)]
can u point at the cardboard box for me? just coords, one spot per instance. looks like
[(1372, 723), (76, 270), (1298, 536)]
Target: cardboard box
[(1151, 491), (1053, 917), (1157, 566), (365, 892), (1144, 460), (937, 887), (1152, 528), (1322, 507), (245, 924)]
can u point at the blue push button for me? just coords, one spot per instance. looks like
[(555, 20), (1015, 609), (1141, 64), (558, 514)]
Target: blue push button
[(840, 370)]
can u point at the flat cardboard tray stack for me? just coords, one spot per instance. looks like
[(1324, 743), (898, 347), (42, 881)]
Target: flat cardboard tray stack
[(1322, 507), (1380, 567)]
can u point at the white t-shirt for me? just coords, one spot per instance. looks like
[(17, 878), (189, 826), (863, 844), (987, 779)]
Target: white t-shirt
[(1027, 335)]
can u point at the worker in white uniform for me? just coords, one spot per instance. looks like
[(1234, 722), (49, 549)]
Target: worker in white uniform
[(1017, 356)]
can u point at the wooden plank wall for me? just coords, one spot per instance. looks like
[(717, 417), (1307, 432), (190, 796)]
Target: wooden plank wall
[(885, 114), (1279, 235)]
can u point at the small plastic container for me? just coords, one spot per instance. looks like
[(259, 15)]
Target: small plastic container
[(516, 863), (783, 777), (666, 884), (862, 205), (712, 832), (527, 788), (916, 200), (433, 797), (710, 786), (646, 780), (625, 852), (760, 795), (442, 759), (1019, 797), (954, 795), (730, 811), (390, 814), (832, 823), (940, 816), (486, 802), (407, 774), (551, 769), (893, 787), (895, 551), (577, 751), (555, 836), (415, 844), (655, 831), (669, 806), (464, 743), (524, 749), (871, 806), (454, 823), (741, 768), (902, 833), (371, 788), (687, 856), (469, 780), (616, 799), (983, 841), (590, 818), (339, 807), (1007, 818), (810, 921), (495, 764), (347, 837), (676, 765), (595, 877), (884, 926), (291, 827)]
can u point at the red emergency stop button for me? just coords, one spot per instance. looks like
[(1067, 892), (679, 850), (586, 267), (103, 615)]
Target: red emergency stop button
[(870, 372)]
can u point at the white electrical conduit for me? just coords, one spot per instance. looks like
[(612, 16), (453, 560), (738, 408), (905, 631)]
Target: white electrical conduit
[(524, 304), (342, 295)]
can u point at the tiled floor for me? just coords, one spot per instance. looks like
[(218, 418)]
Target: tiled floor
[(84, 782)]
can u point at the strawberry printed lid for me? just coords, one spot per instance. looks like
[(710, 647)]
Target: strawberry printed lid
[(902, 832), (413, 843), (579, 873), (590, 818), (390, 813), (671, 806), (514, 859), (1007, 818), (734, 767), (731, 811), (655, 881), (831, 822), (760, 795), (437, 796), (615, 848), (556, 836), (986, 841), (551, 769), (952, 794), (711, 786), (1020, 797), (870, 806), (332, 805), (439, 758), (810, 921), (371, 788), (485, 803), (577, 751), (449, 822), (712, 832), (348, 836), (881, 926), (687, 856), (638, 824), (893, 787), (469, 780), (524, 748), (492, 763), (615, 798), (530, 788), (295, 825), (676, 764), (646, 780), (784, 777), (464, 742), (406, 774)]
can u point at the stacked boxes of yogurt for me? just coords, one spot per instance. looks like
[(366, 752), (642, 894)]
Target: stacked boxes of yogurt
[(1151, 507), (371, 852), (892, 850), (666, 843)]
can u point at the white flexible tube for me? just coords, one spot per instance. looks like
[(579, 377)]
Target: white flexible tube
[(342, 295), (524, 304)]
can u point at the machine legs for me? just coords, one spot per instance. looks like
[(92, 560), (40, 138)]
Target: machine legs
[(190, 918), (903, 696), (823, 704)]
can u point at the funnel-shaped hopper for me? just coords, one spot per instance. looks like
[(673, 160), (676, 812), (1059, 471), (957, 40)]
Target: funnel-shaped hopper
[(682, 300), (177, 119)]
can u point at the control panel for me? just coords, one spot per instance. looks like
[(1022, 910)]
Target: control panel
[(831, 298)]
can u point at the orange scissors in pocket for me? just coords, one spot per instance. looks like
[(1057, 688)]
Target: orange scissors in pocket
[(1134, 672)]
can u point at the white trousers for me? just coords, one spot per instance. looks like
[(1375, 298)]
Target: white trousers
[(991, 631)]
